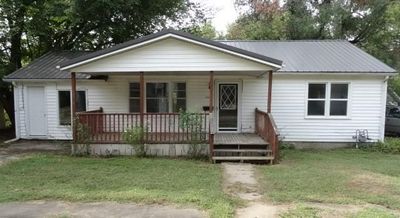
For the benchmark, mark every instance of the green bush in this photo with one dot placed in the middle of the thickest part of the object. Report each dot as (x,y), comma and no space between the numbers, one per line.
(134,137)
(390,145)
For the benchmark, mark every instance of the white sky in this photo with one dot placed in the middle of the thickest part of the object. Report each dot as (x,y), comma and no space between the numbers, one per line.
(224,13)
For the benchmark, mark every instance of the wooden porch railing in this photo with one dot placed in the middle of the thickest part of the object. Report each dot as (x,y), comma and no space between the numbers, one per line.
(266,128)
(158,127)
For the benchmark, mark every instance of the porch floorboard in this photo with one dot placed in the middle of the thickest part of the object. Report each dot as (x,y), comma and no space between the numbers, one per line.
(238,139)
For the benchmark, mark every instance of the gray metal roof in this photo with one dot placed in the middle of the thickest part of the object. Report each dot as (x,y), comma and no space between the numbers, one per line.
(45,67)
(318,56)
(337,56)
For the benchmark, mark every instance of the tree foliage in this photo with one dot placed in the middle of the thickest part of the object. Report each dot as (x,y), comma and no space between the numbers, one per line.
(373,25)
(30,28)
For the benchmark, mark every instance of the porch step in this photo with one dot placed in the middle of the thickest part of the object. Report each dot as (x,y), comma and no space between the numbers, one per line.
(242,158)
(243,150)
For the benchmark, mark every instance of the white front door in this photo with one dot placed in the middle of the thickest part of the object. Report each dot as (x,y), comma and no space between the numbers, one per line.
(36,113)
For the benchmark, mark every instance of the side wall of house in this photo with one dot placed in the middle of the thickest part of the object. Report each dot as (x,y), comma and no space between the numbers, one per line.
(367,101)
(366,104)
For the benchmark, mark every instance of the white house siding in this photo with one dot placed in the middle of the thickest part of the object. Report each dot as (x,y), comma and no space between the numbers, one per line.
(171,55)
(367,101)
(288,104)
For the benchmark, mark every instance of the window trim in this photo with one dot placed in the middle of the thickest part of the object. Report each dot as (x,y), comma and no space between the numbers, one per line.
(58,104)
(170,91)
(327,101)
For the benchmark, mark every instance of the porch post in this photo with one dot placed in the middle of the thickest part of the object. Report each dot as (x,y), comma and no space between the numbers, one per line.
(211,109)
(211,91)
(141,99)
(269,91)
(73,105)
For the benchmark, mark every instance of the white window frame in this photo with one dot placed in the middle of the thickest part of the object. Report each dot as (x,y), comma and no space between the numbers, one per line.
(328,100)
(170,91)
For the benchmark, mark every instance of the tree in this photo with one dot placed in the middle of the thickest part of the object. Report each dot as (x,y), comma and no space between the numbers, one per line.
(205,30)
(373,25)
(30,28)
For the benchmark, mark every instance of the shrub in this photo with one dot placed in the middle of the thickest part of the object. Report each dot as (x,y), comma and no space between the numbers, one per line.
(390,145)
(82,142)
(134,137)
(193,122)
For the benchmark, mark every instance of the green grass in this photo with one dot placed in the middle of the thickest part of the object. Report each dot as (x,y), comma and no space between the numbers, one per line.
(116,179)
(300,212)
(334,176)
(372,213)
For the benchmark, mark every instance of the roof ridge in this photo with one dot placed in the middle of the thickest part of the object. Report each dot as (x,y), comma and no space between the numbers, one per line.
(283,40)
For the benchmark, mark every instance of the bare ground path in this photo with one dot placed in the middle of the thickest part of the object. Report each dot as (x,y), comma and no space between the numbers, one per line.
(240,181)
(55,209)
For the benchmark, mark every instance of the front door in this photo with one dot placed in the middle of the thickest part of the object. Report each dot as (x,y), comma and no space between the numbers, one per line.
(36,113)
(228,107)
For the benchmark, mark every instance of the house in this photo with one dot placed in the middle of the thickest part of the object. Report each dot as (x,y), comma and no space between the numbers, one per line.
(244,93)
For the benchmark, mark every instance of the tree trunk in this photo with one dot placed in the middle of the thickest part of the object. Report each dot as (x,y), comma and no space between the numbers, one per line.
(2,118)
(17,24)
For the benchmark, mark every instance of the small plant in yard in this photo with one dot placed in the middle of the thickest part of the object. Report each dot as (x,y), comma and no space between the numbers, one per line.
(82,142)
(134,137)
(193,122)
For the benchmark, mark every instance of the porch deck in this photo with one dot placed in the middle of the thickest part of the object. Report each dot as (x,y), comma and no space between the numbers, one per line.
(238,139)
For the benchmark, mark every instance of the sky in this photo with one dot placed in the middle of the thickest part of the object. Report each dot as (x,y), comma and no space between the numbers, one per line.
(224,13)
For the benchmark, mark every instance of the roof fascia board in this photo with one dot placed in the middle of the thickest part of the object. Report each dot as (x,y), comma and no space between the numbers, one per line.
(161,38)
(342,73)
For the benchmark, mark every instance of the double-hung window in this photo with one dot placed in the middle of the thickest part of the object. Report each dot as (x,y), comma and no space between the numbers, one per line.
(328,99)
(64,105)
(159,97)
(134,97)
(179,97)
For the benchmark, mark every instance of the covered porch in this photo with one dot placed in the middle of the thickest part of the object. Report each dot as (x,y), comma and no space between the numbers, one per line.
(182,90)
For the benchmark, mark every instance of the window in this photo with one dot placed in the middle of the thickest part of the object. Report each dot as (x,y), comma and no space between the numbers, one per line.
(327,99)
(394,112)
(316,99)
(179,97)
(64,105)
(134,97)
(157,97)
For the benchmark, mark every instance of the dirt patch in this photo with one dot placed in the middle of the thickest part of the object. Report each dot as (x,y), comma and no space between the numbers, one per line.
(371,183)
(240,181)
(98,210)
(22,148)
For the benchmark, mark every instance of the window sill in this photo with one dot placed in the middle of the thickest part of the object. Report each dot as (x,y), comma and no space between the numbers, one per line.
(327,118)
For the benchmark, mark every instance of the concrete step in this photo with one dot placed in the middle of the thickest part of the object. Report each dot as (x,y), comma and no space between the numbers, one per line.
(242,158)
(243,150)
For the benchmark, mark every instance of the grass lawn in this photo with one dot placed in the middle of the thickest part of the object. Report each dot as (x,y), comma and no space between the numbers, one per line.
(344,176)
(116,179)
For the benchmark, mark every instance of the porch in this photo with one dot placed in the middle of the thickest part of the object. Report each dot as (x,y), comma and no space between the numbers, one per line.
(172,72)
